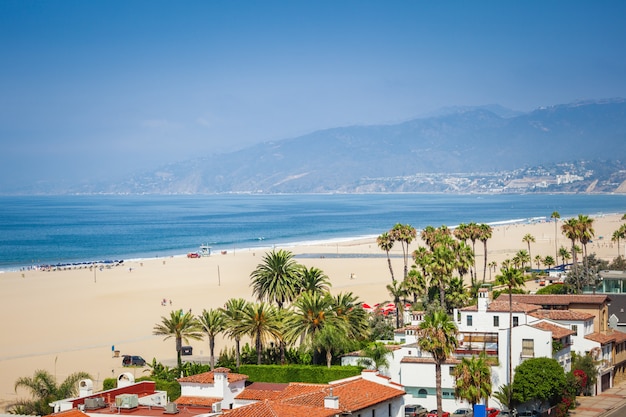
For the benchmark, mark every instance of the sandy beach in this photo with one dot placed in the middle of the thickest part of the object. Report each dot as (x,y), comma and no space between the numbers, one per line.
(69,321)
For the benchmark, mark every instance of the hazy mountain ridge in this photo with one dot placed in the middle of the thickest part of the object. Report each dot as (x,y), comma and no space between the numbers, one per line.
(389,158)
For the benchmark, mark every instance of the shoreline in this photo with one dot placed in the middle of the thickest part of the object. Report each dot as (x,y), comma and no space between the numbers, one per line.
(287,244)
(72,320)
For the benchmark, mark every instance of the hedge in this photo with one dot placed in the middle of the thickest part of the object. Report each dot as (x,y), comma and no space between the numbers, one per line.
(298,373)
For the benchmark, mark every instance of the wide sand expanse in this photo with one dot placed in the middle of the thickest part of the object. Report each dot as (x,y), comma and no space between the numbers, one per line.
(69,321)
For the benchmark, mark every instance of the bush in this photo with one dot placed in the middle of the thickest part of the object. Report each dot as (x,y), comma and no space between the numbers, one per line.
(298,373)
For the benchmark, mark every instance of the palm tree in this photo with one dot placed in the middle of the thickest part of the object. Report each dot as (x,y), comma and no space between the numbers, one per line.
(556,216)
(213,322)
(376,354)
(180,326)
(538,260)
(332,337)
(473,379)
(571,230)
(347,307)
(415,284)
(397,291)
(549,261)
(521,258)
(474,234)
(314,280)
(485,234)
(586,233)
(528,238)
(510,277)
(404,233)
(385,242)
(310,312)
(437,335)
(619,234)
(44,390)
(275,280)
(233,313)
(456,294)
(443,263)
(262,322)
(564,254)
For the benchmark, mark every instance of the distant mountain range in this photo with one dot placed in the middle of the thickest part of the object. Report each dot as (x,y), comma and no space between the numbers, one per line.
(462,149)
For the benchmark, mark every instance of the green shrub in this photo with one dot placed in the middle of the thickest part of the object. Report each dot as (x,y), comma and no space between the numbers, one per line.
(298,373)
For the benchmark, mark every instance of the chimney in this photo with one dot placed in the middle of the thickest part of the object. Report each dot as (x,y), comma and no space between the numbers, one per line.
(331,401)
(484,299)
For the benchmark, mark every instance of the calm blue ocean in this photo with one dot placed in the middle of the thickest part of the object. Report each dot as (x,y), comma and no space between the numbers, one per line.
(38,230)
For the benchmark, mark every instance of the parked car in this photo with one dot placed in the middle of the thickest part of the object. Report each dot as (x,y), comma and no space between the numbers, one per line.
(493,412)
(508,413)
(528,413)
(463,412)
(415,410)
(130,360)
(433,413)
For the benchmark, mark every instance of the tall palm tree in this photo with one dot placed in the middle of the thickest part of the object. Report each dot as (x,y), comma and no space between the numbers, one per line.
(275,279)
(44,390)
(405,234)
(437,335)
(549,261)
(473,379)
(262,322)
(521,258)
(616,237)
(585,234)
(571,230)
(512,278)
(385,242)
(485,234)
(528,238)
(213,322)
(233,313)
(443,263)
(397,290)
(556,216)
(180,326)
(415,284)
(457,295)
(538,260)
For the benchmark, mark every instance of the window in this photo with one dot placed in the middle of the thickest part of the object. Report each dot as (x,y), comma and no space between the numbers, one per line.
(422,393)
(452,368)
(528,348)
(389,408)
(496,321)
(469,320)
(515,321)
(575,329)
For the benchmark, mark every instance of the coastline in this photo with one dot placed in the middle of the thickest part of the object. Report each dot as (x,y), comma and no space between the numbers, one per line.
(73,320)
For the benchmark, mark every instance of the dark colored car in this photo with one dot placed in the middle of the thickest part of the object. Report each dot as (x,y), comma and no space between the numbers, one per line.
(415,410)
(129,360)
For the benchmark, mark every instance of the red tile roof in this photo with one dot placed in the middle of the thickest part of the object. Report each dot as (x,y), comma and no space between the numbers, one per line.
(209,377)
(308,399)
(607,337)
(196,401)
(558,332)
(559,299)
(570,315)
(261,391)
(503,306)
(74,412)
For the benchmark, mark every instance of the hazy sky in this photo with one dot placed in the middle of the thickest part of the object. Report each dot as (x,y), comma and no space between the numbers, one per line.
(104,88)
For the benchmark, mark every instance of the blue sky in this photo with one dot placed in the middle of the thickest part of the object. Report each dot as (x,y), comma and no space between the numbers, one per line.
(100,89)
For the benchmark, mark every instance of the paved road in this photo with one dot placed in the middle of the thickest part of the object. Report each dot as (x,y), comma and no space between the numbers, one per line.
(611,403)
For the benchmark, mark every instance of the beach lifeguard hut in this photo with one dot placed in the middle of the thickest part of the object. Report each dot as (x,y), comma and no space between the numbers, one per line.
(205,250)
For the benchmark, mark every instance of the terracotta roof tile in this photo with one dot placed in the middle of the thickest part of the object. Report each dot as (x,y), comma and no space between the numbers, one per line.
(503,306)
(74,412)
(558,332)
(269,408)
(192,401)
(607,337)
(570,315)
(559,299)
(261,391)
(209,377)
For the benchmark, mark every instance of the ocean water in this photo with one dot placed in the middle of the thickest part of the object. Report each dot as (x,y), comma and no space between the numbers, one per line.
(36,230)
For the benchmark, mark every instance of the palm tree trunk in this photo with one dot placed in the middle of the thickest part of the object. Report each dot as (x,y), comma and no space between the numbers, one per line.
(179,348)
(438,389)
(238,348)
(390,267)
(212,349)
(485,257)
(258,349)
(509,336)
